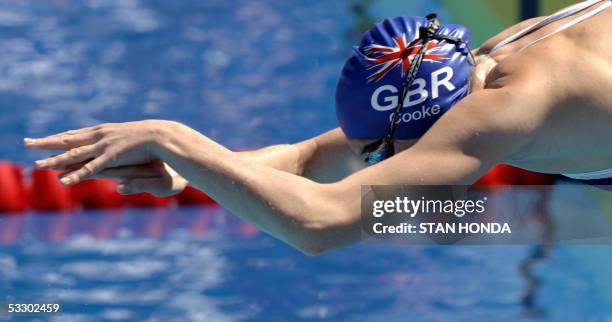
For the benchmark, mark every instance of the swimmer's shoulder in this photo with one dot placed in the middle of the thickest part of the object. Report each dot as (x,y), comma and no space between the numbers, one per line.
(516,69)
(551,63)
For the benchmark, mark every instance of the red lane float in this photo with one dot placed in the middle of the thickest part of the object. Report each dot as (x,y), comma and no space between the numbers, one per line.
(506,175)
(48,194)
(13,196)
(193,197)
(97,194)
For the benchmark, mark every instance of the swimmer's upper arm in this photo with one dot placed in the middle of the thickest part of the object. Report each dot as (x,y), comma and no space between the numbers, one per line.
(324,158)
(328,157)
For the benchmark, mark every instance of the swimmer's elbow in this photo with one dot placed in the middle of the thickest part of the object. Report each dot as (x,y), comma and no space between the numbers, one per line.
(312,240)
(317,241)
(330,225)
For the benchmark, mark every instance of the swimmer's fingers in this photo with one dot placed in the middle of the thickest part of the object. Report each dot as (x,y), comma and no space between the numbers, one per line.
(88,171)
(73,167)
(81,130)
(65,141)
(72,157)
(160,187)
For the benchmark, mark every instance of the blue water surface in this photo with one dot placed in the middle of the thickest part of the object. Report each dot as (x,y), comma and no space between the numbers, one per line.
(248,74)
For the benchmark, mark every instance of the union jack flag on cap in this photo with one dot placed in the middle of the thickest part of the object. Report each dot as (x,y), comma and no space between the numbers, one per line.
(369,86)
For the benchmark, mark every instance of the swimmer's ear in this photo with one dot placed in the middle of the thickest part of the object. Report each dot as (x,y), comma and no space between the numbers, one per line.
(483,67)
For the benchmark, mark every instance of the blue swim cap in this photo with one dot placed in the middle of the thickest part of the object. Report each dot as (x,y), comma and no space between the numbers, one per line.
(371,81)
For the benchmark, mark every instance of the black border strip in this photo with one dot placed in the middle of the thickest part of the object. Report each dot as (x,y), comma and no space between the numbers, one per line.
(529,9)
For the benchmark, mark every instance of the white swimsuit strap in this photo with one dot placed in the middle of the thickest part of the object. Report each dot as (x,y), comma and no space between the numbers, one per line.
(556,17)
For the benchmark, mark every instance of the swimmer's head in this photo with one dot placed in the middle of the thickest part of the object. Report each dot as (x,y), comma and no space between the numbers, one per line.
(385,70)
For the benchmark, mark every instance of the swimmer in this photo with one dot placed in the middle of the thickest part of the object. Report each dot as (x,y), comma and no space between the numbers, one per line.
(538,96)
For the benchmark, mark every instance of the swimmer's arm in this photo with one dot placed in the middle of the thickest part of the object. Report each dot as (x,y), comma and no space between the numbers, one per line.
(328,158)
(283,157)
(324,158)
(299,211)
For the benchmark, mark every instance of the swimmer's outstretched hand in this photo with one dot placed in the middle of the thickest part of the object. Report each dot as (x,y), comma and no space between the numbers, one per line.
(90,151)
(157,178)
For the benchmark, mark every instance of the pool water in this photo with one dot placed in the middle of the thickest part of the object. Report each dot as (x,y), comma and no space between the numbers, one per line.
(248,74)
(204,264)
